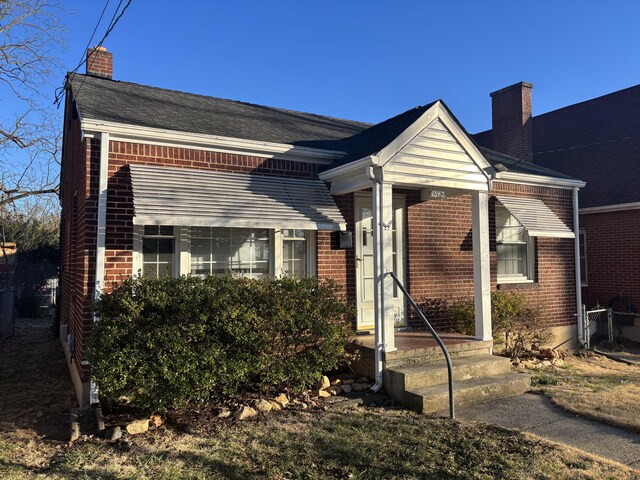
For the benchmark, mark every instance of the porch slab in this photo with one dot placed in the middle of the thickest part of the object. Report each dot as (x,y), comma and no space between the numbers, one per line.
(417,346)
(421,343)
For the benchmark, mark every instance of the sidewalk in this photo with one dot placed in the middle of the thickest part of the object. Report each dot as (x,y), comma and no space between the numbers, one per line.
(536,414)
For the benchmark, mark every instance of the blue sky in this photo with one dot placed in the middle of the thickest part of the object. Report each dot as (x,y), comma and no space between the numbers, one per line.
(369,60)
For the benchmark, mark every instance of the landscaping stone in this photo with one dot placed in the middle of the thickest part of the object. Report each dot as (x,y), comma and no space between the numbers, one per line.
(359,386)
(336,381)
(321,393)
(362,380)
(348,381)
(282,399)
(558,362)
(156,421)
(322,383)
(264,406)
(275,405)
(334,390)
(138,426)
(245,412)
(546,363)
(346,388)
(224,413)
(113,433)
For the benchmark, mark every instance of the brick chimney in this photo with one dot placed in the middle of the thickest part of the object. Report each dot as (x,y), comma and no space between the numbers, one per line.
(511,121)
(99,62)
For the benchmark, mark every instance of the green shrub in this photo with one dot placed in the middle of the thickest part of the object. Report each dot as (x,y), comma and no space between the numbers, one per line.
(164,342)
(461,315)
(516,325)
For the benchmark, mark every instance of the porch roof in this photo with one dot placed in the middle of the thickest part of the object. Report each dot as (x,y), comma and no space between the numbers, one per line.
(187,197)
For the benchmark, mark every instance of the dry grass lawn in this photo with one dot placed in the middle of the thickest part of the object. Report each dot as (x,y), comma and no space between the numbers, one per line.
(596,387)
(364,443)
(370,443)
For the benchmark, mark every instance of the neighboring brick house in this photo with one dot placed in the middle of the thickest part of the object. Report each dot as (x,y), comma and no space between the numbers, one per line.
(156,181)
(598,141)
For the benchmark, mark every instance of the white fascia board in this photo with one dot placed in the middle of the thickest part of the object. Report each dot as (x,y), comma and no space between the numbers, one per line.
(537,180)
(618,207)
(174,138)
(348,168)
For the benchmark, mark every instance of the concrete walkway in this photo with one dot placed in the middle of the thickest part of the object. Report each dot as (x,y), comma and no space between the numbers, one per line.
(536,414)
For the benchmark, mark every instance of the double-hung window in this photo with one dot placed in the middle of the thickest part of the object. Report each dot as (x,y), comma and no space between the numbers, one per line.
(514,248)
(295,253)
(158,250)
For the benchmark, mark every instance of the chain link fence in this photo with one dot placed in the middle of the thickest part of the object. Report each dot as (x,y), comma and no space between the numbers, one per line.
(606,325)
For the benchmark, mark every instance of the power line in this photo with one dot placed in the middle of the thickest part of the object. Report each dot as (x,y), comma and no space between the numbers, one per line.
(112,23)
(585,145)
(110,28)
(83,56)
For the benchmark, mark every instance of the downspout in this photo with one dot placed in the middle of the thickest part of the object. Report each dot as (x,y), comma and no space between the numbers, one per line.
(576,228)
(100,238)
(378,343)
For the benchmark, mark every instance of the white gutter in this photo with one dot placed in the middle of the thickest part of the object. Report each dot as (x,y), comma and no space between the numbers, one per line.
(576,227)
(618,207)
(537,180)
(377,284)
(165,137)
(100,238)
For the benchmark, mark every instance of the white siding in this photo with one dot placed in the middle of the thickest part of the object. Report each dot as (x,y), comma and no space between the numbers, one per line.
(435,157)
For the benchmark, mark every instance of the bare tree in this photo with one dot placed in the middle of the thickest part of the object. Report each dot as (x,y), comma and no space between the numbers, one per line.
(29,125)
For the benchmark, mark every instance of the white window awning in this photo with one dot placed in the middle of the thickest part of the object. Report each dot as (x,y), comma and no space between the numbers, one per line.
(187,197)
(536,217)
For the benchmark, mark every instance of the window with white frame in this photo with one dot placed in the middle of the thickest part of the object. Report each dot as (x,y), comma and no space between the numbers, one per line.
(250,252)
(295,256)
(514,248)
(216,250)
(583,258)
(158,250)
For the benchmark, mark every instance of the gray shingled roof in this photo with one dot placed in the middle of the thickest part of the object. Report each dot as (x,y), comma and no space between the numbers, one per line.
(133,104)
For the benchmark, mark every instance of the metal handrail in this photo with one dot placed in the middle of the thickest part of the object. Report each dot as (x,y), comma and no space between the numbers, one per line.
(452,412)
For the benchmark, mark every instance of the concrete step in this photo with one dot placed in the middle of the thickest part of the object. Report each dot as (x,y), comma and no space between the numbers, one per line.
(417,375)
(432,353)
(436,397)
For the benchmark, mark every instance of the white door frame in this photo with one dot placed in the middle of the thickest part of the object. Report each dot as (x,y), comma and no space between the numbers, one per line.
(362,199)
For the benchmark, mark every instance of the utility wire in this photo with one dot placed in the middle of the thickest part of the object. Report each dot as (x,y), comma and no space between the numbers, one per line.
(83,56)
(585,145)
(114,20)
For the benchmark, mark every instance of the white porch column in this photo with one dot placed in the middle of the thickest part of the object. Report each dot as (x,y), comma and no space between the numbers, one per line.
(386,255)
(481,263)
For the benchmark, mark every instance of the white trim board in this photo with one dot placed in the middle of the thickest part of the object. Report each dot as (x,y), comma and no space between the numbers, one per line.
(240,146)
(618,207)
(537,180)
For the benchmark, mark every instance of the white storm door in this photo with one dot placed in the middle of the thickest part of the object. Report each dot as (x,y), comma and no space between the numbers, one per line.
(364,260)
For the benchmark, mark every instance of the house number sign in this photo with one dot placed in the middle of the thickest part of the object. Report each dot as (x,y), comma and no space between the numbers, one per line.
(437,194)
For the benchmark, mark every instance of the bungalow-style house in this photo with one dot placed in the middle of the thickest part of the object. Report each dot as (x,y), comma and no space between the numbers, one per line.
(164,182)
(581,140)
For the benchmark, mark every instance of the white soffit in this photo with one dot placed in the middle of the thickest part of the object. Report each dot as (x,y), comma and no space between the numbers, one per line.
(536,217)
(186,197)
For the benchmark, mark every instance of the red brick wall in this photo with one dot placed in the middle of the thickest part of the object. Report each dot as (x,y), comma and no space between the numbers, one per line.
(512,130)
(440,254)
(613,259)
(78,235)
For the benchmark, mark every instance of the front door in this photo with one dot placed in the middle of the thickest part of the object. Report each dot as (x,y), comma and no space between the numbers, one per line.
(364,260)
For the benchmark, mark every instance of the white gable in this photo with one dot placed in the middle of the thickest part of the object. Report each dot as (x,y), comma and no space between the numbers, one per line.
(435,157)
